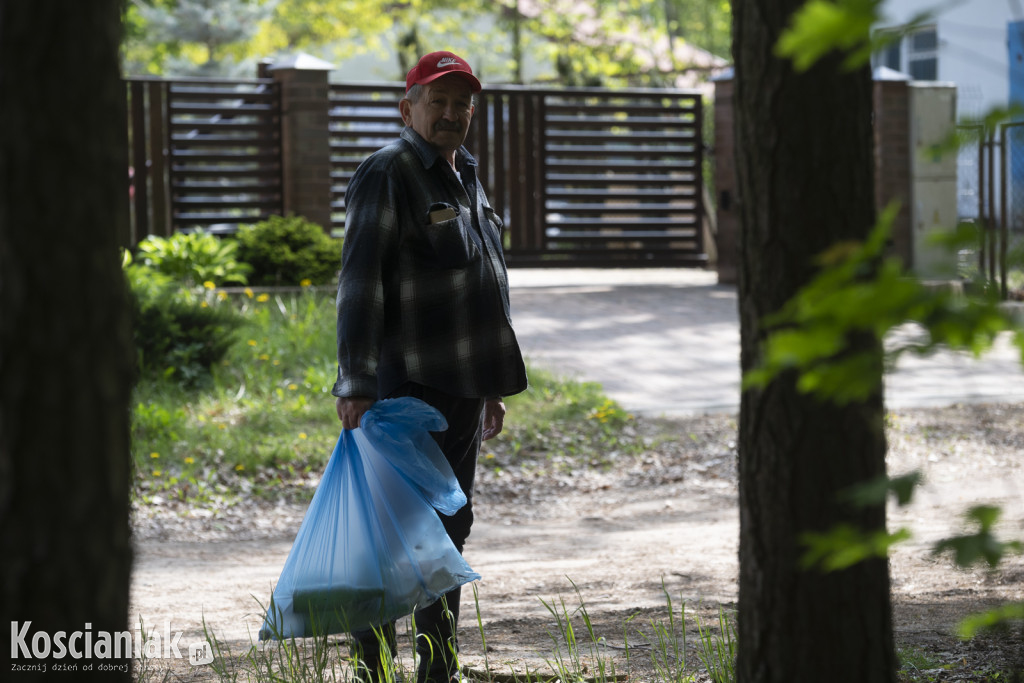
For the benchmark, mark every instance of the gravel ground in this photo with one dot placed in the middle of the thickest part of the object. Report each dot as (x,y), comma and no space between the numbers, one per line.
(665,519)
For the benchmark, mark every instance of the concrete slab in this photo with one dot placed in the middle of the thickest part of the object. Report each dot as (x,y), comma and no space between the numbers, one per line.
(666,341)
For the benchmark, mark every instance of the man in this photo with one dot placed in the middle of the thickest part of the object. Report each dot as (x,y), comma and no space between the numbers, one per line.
(423,307)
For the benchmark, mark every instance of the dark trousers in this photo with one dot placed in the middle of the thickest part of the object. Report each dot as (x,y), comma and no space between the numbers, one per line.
(437,624)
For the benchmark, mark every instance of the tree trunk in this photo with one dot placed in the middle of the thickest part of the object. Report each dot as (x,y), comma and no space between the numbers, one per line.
(65,337)
(804,172)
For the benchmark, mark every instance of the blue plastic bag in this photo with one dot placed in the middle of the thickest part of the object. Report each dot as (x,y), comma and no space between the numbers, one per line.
(370,548)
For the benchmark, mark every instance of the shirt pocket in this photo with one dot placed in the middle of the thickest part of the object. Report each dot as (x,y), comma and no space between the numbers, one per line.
(448,238)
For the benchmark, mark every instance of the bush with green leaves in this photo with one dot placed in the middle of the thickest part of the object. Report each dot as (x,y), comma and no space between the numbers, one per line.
(179,333)
(194,258)
(287,250)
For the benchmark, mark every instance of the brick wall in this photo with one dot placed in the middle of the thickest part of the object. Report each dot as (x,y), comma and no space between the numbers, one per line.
(892,161)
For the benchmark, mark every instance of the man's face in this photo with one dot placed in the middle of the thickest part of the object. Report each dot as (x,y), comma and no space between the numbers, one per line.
(442,113)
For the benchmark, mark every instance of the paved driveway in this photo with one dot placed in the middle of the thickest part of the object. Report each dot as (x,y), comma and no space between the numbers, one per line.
(666,341)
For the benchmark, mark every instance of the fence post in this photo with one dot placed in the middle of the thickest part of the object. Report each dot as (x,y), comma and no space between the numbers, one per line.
(726,209)
(140,162)
(305,138)
(159,136)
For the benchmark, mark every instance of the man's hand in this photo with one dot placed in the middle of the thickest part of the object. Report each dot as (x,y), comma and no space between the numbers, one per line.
(351,409)
(494,418)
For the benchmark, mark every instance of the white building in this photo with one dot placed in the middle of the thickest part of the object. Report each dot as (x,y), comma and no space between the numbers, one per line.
(965,42)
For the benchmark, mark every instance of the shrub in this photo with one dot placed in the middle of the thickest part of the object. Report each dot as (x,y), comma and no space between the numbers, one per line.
(288,250)
(194,258)
(178,333)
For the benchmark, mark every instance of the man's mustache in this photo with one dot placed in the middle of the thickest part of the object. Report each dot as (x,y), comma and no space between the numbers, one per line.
(448,125)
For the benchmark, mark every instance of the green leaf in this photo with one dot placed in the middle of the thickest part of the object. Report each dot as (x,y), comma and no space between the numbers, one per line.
(876,491)
(993,618)
(985,515)
(821,26)
(859,295)
(968,549)
(846,545)
(854,377)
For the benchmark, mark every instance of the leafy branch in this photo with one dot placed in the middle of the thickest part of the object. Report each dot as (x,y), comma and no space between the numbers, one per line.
(859,291)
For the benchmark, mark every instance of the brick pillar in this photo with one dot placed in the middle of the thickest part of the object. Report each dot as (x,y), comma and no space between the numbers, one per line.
(726,215)
(892,162)
(305,142)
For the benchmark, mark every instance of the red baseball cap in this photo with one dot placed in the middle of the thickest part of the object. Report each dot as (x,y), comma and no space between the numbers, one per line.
(437,64)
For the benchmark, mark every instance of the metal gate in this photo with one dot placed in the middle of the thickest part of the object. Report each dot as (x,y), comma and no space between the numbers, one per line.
(991,195)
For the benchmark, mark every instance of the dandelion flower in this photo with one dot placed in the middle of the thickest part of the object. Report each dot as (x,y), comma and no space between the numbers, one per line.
(189,460)
(264,356)
(222,296)
(302,435)
(251,342)
(306,282)
(292,387)
(204,305)
(154,455)
(209,285)
(263,297)
(157,473)
(239,468)
(248,292)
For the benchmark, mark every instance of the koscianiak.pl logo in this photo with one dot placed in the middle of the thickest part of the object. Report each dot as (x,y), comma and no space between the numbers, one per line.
(87,649)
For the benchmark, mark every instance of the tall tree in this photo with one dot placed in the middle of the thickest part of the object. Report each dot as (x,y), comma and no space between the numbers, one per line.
(804,171)
(587,43)
(65,338)
(212,35)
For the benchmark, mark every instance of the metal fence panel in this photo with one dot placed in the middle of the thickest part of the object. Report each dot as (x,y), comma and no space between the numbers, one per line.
(224,153)
(581,177)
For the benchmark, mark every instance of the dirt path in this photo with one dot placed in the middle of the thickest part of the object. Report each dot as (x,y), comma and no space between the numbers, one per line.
(661,341)
(668,517)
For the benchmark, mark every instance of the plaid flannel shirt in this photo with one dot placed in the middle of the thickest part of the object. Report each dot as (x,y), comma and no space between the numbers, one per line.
(423,292)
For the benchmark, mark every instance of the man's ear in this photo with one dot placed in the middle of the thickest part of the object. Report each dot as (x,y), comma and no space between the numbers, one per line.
(404,108)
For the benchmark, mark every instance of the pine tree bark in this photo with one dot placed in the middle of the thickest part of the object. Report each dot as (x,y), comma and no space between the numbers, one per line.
(804,171)
(65,337)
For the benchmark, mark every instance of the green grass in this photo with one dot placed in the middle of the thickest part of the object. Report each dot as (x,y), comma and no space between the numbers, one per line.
(267,412)
(915,662)
(267,415)
(574,655)
(578,653)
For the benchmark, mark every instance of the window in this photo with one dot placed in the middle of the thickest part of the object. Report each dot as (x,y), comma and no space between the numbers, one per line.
(890,56)
(925,40)
(923,55)
(916,54)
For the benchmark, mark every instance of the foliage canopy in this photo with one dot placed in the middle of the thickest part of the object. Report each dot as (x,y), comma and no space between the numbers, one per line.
(573,41)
